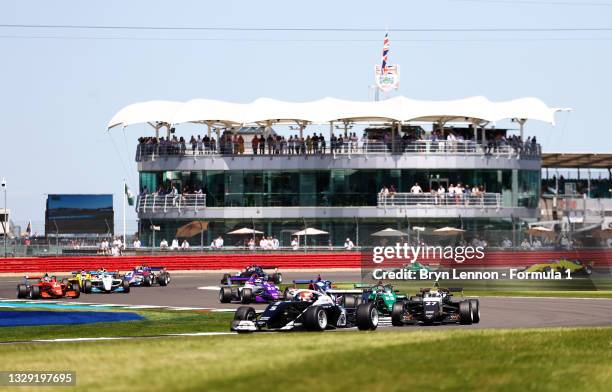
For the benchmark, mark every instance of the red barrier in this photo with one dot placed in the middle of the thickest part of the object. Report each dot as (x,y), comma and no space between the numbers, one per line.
(315,261)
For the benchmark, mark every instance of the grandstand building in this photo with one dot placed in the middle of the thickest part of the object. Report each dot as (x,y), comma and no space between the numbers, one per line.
(362,178)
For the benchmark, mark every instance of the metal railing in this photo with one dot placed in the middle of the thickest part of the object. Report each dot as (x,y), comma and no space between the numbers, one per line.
(165,203)
(444,200)
(150,152)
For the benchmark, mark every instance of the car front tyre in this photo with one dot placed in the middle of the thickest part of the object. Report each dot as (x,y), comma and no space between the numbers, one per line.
(367,317)
(315,319)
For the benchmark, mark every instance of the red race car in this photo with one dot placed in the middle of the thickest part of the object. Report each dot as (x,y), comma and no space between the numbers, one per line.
(35,287)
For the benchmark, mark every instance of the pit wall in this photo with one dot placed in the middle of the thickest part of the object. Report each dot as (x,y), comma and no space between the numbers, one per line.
(313,261)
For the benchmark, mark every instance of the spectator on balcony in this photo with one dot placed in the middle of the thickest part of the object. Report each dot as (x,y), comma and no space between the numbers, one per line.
(315,144)
(416,188)
(163,245)
(194,144)
(383,194)
(175,244)
(392,193)
(295,244)
(525,244)
(218,242)
(290,145)
(506,243)
(182,145)
(270,142)
(200,144)
(255,144)
(262,144)
(174,193)
(348,244)
(322,143)
(184,245)
(240,144)
(332,143)
(136,244)
(263,243)
(308,145)
(275,243)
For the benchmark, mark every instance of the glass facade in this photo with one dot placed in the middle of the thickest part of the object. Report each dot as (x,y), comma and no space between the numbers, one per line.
(337,188)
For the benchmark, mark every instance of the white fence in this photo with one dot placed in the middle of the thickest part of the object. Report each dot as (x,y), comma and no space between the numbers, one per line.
(445,200)
(165,203)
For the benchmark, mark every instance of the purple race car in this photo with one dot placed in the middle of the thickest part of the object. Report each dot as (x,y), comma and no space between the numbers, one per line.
(254,289)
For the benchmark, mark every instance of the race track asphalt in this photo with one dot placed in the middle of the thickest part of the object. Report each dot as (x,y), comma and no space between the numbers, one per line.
(200,290)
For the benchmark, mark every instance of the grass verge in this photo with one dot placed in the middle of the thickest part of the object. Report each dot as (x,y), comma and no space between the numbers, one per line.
(570,359)
(154,323)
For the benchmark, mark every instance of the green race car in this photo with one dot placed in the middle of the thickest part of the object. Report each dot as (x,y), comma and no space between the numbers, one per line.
(382,296)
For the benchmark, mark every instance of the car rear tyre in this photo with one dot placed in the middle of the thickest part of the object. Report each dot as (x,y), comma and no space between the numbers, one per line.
(315,319)
(35,292)
(287,295)
(246,296)
(397,314)
(87,286)
(22,291)
(225,295)
(277,278)
(588,270)
(77,290)
(126,286)
(475,310)
(147,281)
(163,279)
(465,313)
(349,301)
(367,317)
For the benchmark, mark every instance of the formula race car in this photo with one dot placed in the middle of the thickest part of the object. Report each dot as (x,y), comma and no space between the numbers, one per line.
(255,289)
(574,266)
(106,282)
(79,278)
(45,286)
(308,310)
(382,296)
(248,272)
(148,276)
(318,284)
(435,306)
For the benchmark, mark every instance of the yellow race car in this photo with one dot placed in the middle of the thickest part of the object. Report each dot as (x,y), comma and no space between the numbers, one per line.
(561,265)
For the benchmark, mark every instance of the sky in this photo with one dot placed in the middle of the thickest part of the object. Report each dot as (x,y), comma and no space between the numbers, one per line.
(61,86)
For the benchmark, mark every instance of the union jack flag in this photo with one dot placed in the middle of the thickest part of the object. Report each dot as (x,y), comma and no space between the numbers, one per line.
(383,68)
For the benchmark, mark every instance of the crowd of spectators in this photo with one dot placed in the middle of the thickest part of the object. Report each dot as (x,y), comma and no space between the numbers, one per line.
(455,193)
(273,144)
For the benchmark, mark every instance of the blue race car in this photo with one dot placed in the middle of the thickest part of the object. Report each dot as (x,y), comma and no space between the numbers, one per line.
(148,276)
(106,282)
(318,284)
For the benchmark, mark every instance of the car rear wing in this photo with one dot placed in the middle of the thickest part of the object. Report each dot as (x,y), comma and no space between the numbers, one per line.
(268,267)
(158,268)
(33,277)
(338,291)
(455,289)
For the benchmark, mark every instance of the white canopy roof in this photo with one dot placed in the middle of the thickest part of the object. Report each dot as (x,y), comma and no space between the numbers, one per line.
(269,111)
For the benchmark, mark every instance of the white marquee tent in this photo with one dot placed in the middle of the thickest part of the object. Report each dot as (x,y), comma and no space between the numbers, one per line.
(266,111)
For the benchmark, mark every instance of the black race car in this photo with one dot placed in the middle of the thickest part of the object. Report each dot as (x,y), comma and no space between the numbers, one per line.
(308,310)
(251,271)
(435,306)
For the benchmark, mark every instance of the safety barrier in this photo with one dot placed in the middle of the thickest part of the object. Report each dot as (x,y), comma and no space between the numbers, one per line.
(314,261)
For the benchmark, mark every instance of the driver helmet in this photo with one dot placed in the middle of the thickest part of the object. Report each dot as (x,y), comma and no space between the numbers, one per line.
(305,296)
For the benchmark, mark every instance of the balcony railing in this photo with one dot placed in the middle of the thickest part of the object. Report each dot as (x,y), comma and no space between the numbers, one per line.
(150,152)
(445,200)
(165,203)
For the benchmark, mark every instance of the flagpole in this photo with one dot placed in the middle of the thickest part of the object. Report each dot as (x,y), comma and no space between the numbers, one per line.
(124,197)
